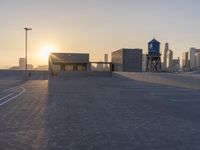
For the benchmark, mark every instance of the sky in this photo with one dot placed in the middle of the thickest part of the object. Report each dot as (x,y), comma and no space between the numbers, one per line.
(94,26)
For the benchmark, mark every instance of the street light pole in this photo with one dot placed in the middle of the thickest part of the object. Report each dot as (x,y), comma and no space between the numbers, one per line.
(26,47)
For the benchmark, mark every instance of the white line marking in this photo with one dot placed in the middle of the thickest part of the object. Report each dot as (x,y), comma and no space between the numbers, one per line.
(6,96)
(23,90)
(10,89)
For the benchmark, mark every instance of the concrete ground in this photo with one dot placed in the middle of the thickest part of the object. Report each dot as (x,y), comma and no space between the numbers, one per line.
(99,114)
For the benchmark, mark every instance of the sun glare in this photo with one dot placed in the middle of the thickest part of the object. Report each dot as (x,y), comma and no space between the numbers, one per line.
(45,53)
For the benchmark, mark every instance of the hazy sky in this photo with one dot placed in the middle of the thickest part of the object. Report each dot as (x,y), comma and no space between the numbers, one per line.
(95,26)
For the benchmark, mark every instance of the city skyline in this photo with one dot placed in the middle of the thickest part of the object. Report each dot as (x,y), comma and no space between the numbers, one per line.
(97,27)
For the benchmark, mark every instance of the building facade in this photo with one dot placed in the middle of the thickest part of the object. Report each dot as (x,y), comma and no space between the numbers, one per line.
(77,64)
(68,62)
(127,60)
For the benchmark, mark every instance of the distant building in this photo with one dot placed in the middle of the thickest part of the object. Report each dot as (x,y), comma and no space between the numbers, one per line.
(106,66)
(105,57)
(165,57)
(14,68)
(185,61)
(191,57)
(144,62)
(127,60)
(30,66)
(42,67)
(176,65)
(22,63)
(197,60)
(197,63)
(169,61)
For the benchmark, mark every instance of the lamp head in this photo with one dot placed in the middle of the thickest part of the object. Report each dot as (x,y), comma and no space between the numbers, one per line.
(27,29)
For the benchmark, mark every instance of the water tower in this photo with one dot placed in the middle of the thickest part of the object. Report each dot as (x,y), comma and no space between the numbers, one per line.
(153,57)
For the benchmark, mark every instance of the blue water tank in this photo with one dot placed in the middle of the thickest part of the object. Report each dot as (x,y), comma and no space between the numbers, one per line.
(154,47)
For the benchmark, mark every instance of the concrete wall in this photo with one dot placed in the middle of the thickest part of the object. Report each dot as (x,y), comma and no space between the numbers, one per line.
(39,75)
(132,60)
(20,74)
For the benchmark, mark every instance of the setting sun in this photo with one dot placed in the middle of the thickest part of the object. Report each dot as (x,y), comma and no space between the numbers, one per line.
(45,52)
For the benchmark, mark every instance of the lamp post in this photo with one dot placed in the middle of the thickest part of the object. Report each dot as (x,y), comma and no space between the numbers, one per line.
(26,30)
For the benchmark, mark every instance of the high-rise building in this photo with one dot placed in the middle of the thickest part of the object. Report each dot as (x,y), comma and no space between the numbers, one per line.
(191,57)
(165,56)
(169,61)
(197,59)
(176,65)
(185,61)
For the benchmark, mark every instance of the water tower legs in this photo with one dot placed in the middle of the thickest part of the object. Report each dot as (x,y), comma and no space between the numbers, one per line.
(153,63)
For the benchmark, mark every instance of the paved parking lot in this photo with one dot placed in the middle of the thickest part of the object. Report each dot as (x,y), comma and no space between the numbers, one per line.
(100,114)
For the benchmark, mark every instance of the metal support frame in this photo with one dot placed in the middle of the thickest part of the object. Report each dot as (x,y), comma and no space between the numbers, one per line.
(153,63)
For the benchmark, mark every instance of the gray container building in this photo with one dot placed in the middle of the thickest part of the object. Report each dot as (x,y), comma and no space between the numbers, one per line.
(127,60)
